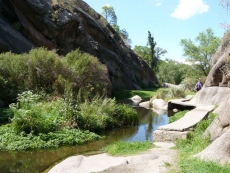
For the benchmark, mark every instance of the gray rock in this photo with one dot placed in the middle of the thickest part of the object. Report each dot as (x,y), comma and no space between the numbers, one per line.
(69,25)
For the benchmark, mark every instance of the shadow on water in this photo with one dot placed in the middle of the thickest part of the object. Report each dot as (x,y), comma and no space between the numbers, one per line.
(38,161)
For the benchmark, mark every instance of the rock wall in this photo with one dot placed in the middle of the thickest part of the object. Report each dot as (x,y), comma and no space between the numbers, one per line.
(66,25)
(216,91)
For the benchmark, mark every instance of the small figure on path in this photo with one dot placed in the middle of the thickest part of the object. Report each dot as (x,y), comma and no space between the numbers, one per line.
(198,85)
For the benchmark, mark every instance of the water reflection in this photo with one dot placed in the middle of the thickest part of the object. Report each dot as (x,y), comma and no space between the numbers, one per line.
(38,161)
(149,121)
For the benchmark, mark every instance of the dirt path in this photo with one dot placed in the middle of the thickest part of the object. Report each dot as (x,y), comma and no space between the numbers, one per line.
(155,160)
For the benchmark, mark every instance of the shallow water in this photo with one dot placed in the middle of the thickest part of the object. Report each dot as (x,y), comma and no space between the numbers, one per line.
(38,161)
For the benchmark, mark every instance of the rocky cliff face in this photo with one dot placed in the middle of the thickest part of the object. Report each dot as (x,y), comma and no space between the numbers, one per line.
(217,92)
(65,25)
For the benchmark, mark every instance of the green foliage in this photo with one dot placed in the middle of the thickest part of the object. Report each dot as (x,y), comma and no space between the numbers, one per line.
(189,83)
(109,14)
(144,52)
(87,73)
(36,119)
(100,114)
(130,93)
(168,93)
(195,143)
(5,115)
(152,44)
(200,55)
(42,70)
(9,140)
(123,34)
(177,116)
(32,116)
(128,148)
(171,71)
(123,115)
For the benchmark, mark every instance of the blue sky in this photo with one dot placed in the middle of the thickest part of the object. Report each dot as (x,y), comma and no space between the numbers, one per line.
(169,21)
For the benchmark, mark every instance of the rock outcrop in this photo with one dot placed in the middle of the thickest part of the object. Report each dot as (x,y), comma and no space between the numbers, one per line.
(67,25)
(216,91)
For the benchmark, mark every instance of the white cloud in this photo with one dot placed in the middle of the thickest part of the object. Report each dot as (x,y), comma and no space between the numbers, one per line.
(189,8)
(158,2)
(108,5)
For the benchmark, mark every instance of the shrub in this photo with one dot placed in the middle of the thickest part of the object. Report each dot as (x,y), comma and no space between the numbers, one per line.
(5,115)
(124,115)
(42,70)
(15,142)
(169,93)
(31,115)
(103,113)
(87,73)
(189,83)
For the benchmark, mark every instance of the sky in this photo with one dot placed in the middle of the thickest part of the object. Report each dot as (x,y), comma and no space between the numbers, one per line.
(169,21)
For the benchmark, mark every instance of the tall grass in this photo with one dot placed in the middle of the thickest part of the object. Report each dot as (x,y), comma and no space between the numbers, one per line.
(168,93)
(100,114)
(38,119)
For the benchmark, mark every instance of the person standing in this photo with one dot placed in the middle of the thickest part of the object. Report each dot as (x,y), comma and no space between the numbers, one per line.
(198,85)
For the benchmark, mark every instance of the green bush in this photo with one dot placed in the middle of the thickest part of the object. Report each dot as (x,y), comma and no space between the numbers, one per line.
(5,115)
(32,115)
(87,73)
(189,83)
(103,113)
(123,115)
(9,140)
(42,70)
(168,93)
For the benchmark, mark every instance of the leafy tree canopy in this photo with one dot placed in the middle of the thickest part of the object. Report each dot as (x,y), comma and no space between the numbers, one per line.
(171,71)
(199,53)
(150,53)
(109,14)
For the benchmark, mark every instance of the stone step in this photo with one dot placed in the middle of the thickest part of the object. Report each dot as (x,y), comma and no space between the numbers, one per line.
(180,128)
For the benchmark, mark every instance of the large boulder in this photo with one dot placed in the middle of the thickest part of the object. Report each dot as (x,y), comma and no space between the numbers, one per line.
(218,151)
(69,25)
(216,91)
(160,104)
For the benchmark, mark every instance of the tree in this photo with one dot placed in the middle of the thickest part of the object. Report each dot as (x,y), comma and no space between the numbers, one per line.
(200,55)
(144,52)
(152,44)
(159,52)
(109,14)
(171,71)
(123,34)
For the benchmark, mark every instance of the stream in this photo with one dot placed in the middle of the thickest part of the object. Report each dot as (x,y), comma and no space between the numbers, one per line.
(39,161)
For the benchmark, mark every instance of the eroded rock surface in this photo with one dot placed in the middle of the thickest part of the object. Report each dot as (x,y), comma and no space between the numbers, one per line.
(68,25)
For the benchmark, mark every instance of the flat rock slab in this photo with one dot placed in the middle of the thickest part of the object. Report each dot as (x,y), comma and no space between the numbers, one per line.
(184,102)
(168,136)
(189,120)
(154,160)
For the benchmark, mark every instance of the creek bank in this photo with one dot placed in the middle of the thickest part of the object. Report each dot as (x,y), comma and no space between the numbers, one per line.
(155,159)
